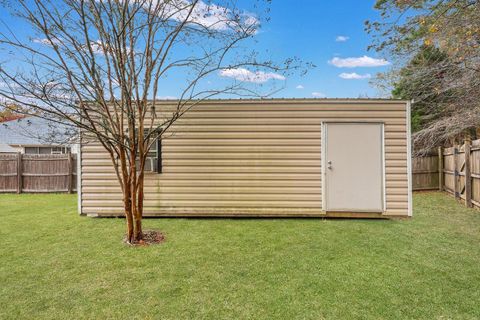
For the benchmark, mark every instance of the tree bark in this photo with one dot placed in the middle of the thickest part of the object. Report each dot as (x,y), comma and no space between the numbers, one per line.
(133,198)
(138,229)
(139,232)
(133,217)
(129,218)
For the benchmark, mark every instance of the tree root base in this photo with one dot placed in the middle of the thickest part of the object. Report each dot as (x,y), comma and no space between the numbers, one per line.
(150,237)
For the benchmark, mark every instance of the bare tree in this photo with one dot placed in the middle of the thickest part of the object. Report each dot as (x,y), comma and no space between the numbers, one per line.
(99,66)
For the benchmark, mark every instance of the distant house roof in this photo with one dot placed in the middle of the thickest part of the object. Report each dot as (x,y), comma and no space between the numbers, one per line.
(11,117)
(33,131)
(5,148)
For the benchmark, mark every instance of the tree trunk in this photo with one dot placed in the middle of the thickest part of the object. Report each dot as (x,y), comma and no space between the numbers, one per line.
(133,212)
(133,194)
(138,229)
(129,213)
(129,218)
(134,224)
(139,208)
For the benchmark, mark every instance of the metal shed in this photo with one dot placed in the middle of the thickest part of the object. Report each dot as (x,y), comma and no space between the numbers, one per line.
(270,158)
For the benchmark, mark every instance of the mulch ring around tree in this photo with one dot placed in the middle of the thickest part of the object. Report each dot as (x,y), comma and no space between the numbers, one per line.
(150,237)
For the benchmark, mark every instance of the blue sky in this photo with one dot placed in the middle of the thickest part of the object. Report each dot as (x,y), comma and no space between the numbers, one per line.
(309,29)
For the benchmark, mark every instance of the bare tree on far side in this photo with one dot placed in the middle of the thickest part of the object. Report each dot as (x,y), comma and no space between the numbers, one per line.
(100,66)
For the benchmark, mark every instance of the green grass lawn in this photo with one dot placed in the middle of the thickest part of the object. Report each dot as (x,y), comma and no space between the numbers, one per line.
(56,264)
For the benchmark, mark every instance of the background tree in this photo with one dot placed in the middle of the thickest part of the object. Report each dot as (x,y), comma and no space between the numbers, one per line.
(419,80)
(436,48)
(99,66)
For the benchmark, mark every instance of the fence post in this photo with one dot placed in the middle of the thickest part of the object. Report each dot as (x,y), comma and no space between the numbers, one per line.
(440,169)
(70,172)
(19,173)
(468,173)
(456,173)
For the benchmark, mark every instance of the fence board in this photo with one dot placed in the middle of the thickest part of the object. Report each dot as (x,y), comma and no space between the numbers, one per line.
(460,175)
(449,168)
(468,174)
(37,173)
(425,172)
(8,172)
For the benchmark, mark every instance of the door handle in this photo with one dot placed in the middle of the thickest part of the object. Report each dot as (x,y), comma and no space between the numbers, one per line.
(329,166)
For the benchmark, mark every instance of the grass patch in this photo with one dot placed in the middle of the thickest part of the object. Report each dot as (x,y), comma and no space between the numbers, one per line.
(57,265)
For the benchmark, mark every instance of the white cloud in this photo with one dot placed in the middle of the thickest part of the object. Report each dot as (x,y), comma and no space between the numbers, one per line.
(5,85)
(341,38)
(299,87)
(245,75)
(46,41)
(166,98)
(211,16)
(354,76)
(97,47)
(318,95)
(364,61)
(207,15)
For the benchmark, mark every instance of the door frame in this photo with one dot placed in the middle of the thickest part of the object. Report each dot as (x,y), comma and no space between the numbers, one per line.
(324,125)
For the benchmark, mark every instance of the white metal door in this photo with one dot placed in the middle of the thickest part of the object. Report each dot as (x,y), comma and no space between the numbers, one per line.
(353,166)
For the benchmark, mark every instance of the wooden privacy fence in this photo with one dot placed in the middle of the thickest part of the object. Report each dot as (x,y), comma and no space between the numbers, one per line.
(455,170)
(37,173)
(425,172)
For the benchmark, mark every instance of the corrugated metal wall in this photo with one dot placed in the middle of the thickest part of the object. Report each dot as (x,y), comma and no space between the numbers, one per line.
(249,157)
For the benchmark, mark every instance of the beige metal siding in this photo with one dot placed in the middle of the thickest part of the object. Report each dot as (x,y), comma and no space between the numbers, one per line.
(249,158)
